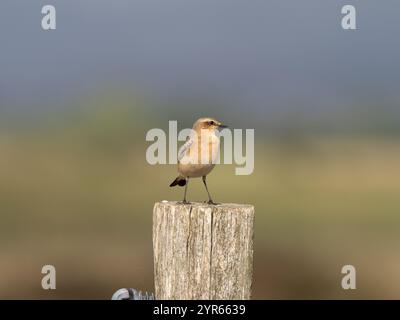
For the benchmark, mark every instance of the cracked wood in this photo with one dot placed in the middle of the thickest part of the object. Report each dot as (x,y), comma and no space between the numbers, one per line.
(203,251)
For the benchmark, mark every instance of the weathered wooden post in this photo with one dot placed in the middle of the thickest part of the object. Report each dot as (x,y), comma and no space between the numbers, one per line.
(203,251)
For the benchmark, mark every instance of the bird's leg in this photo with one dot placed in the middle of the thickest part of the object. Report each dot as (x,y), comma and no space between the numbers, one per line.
(186,185)
(210,201)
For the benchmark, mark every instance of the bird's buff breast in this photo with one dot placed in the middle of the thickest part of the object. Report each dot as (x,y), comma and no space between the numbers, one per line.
(195,170)
(200,159)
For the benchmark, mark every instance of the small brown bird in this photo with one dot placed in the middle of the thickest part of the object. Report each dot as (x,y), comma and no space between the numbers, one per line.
(197,157)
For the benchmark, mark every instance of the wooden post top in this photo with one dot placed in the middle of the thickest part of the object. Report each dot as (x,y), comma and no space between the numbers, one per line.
(205,204)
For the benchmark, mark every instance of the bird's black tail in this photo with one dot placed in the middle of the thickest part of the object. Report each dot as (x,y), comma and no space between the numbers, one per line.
(180,181)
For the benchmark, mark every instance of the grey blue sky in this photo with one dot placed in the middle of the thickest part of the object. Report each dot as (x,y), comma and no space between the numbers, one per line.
(262,54)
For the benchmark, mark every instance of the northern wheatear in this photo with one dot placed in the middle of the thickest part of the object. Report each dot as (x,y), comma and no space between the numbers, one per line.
(197,157)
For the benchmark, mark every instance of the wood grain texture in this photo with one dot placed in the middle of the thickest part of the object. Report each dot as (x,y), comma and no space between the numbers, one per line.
(203,251)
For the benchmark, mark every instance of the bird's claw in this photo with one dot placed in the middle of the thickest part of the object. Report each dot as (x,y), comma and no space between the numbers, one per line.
(211,202)
(183,202)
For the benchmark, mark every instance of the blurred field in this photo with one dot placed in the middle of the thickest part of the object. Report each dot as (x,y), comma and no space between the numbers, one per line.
(76,192)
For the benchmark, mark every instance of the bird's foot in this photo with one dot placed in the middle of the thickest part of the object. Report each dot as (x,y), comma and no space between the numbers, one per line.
(183,202)
(211,202)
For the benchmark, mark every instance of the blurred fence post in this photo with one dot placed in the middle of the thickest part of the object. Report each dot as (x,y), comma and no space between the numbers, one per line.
(203,251)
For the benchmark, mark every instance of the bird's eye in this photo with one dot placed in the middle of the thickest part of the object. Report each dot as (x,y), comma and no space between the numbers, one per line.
(211,122)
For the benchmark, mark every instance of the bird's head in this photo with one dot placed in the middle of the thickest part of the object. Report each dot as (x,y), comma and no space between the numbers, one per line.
(207,124)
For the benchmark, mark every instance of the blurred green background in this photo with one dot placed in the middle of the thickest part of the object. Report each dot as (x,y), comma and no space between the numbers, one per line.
(75,105)
(77,192)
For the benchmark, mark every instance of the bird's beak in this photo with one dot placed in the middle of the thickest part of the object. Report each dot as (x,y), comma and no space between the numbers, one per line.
(222,126)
